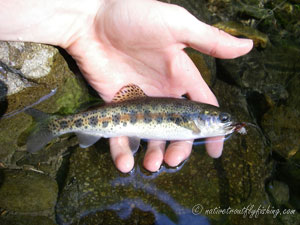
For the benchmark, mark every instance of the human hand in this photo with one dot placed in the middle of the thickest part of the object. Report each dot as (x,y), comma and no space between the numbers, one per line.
(142,42)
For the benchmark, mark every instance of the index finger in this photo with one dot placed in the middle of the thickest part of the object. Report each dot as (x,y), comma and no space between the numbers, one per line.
(210,40)
(214,145)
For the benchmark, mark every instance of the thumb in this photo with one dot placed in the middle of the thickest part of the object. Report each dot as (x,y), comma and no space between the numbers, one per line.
(188,30)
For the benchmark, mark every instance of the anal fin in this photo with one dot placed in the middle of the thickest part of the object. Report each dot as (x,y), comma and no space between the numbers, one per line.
(134,144)
(86,139)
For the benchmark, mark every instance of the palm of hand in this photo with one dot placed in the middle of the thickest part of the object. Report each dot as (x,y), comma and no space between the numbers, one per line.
(142,42)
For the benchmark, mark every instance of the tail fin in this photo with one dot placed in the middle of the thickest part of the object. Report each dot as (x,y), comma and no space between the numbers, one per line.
(41,135)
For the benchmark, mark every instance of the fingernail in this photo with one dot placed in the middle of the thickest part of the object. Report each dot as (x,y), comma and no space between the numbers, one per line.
(246,42)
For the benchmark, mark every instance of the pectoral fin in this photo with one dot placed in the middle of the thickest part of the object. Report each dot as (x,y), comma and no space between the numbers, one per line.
(191,125)
(134,144)
(86,140)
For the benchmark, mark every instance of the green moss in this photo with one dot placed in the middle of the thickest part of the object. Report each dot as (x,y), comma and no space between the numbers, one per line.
(73,95)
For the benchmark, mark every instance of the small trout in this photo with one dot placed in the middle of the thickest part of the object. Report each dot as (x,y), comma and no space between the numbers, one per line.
(137,116)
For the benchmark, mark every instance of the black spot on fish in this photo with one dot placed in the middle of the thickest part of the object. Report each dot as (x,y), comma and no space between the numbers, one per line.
(133,117)
(159,118)
(170,117)
(93,121)
(186,117)
(116,118)
(178,104)
(78,123)
(124,124)
(178,120)
(124,109)
(154,107)
(63,124)
(139,106)
(103,113)
(85,114)
(147,116)
(104,124)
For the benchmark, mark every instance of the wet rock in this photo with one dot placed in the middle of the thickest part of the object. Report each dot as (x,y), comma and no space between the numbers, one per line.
(111,217)
(238,29)
(278,19)
(265,72)
(280,195)
(94,187)
(27,192)
(222,10)
(291,218)
(23,63)
(9,219)
(50,159)
(289,172)
(279,192)
(287,15)
(68,93)
(281,124)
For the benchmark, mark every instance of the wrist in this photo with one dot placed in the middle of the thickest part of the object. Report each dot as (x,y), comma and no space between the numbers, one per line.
(79,19)
(56,22)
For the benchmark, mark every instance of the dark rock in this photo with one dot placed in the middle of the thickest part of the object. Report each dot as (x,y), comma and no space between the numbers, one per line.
(27,192)
(279,192)
(282,126)
(281,122)
(266,72)
(288,172)
(9,219)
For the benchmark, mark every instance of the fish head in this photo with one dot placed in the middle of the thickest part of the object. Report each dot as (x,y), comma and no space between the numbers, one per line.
(216,123)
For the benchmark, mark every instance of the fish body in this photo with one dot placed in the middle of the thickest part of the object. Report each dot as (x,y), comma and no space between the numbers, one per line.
(137,117)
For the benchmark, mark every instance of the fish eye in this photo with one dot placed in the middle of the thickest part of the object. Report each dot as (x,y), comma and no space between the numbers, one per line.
(224,117)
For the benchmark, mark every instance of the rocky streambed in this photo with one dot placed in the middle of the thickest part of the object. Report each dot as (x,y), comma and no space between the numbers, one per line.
(64,184)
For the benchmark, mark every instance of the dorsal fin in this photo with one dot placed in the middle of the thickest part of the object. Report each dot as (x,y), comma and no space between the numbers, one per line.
(129,92)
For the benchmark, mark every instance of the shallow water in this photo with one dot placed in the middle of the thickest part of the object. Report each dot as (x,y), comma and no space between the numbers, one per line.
(256,181)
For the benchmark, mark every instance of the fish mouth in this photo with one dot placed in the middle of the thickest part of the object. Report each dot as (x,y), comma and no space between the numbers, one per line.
(239,127)
(229,127)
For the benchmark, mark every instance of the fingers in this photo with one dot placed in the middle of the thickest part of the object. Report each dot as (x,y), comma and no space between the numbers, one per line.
(154,155)
(207,39)
(202,93)
(217,43)
(121,154)
(188,77)
(214,146)
(177,152)
(197,90)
